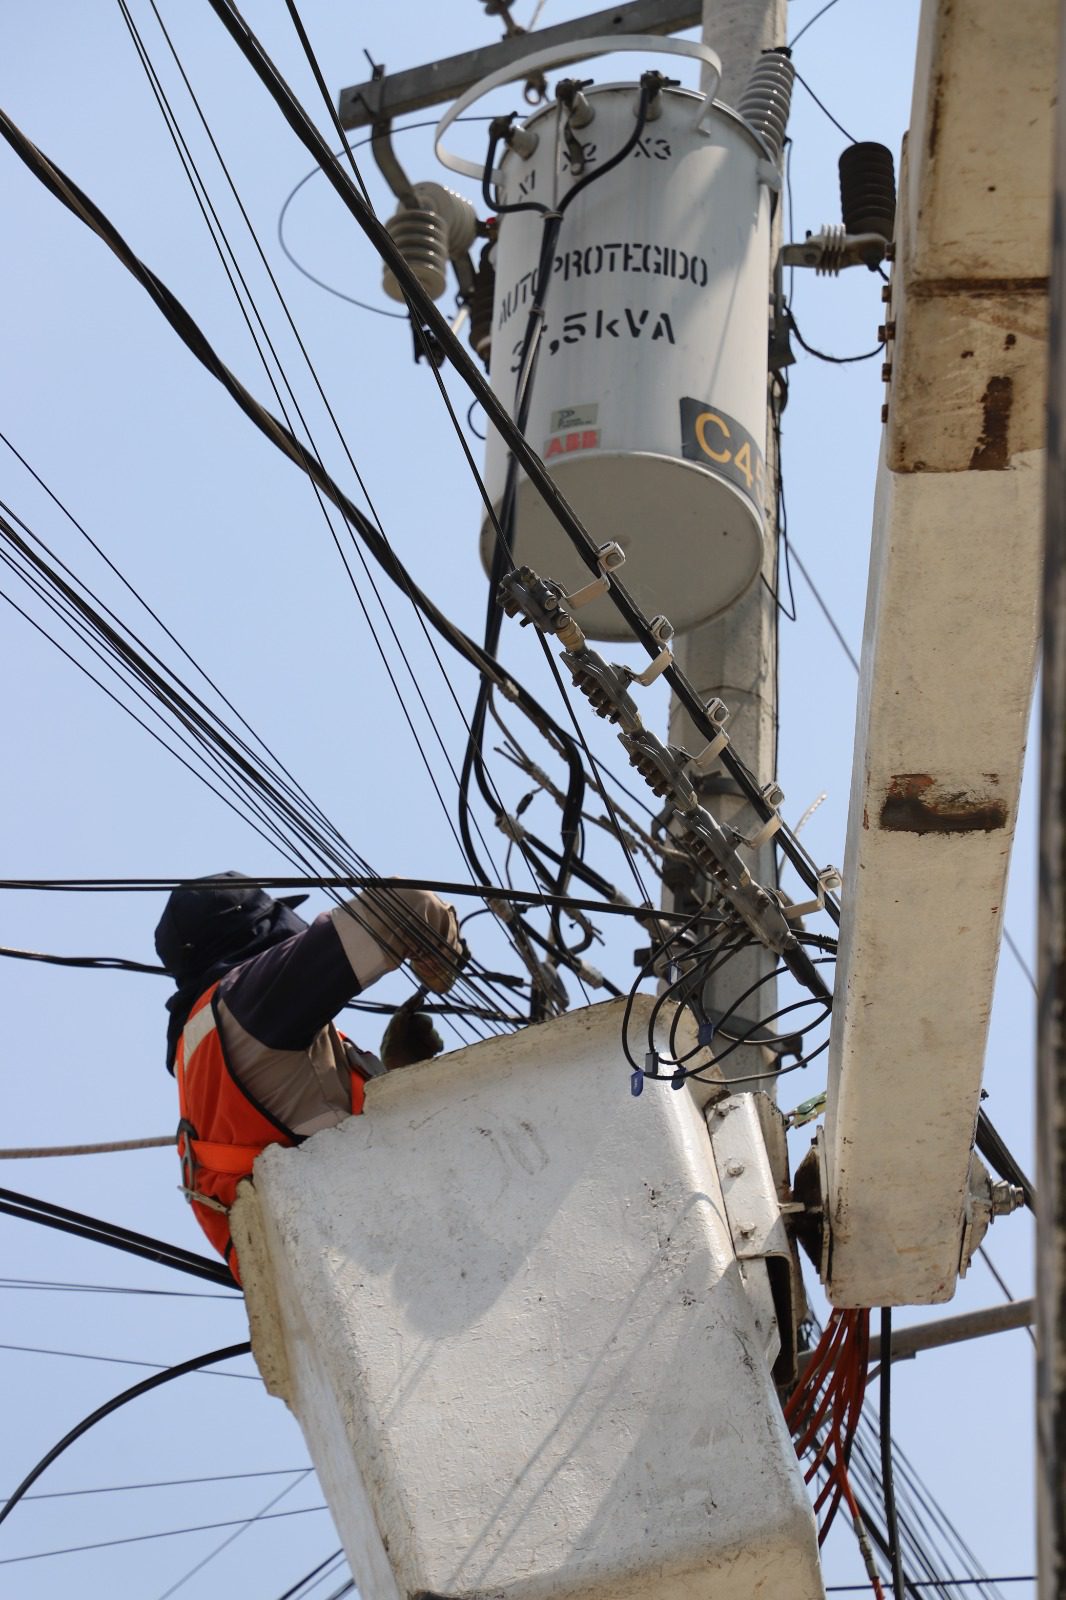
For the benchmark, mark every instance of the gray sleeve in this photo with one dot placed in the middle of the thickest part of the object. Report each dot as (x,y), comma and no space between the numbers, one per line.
(301,1090)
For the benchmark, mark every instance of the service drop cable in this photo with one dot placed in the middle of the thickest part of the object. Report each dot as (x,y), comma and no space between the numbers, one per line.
(145,1386)
(496,412)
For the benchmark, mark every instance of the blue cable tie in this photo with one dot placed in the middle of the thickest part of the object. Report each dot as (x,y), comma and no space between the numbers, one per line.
(636,1083)
(705,1033)
(678,1079)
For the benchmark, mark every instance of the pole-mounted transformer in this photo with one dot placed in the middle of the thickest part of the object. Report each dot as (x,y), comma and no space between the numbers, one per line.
(649,397)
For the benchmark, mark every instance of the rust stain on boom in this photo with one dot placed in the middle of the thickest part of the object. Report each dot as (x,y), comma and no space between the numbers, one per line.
(913,804)
(991,453)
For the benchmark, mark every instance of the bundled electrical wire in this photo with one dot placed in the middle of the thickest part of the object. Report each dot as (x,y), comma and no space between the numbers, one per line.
(823,1417)
(897,1512)
(684,960)
(232,766)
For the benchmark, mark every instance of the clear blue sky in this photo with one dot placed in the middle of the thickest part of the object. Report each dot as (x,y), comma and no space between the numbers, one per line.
(225,540)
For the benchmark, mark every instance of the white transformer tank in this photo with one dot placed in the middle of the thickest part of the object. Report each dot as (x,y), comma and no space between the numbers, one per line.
(649,399)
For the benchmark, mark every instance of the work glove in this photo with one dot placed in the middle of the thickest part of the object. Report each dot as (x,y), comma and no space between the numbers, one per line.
(410,1037)
(415,925)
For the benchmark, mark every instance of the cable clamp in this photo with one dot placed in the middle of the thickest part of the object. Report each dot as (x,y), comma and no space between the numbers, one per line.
(510,827)
(829,879)
(718,714)
(774,795)
(655,670)
(604,686)
(610,557)
(709,754)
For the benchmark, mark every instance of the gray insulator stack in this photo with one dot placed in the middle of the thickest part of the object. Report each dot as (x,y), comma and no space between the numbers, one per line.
(440,226)
(765,103)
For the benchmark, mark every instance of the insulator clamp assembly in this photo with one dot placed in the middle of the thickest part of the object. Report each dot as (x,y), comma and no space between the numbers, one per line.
(670,772)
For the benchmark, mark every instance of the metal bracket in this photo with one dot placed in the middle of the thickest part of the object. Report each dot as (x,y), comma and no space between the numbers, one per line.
(828,879)
(832,249)
(610,557)
(655,670)
(415,88)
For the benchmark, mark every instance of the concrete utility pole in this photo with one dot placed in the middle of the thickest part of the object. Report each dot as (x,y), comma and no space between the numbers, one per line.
(734,657)
(1051,1012)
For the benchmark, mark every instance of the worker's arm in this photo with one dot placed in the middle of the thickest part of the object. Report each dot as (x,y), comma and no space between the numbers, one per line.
(284,995)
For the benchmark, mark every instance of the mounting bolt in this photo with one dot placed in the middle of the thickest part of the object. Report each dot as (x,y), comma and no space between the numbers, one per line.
(886,293)
(886,372)
(884,413)
(1006,1197)
(734,1168)
(886,331)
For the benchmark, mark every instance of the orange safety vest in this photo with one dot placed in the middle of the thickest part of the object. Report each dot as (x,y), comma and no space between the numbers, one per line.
(222,1129)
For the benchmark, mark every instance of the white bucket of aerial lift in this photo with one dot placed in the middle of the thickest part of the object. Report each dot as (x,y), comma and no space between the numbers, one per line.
(649,401)
(506,1309)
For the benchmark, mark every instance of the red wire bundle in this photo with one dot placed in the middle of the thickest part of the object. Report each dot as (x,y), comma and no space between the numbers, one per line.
(823,1414)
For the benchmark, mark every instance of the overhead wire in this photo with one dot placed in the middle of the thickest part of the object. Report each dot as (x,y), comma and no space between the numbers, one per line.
(29,1209)
(146,1385)
(336,427)
(55,1286)
(168,1483)
(162,1533)
(237,1533)
(231,763)
(117,1361)
(528,458)
(796,37)
(224,248)
(824,108)
(887,1480)
(62,187)
(927,1538)
(179,318)
(297,1590)
(474,759)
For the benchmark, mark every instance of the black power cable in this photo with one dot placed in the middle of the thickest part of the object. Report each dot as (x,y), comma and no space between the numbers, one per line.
(145,1386)
(888,1487)
(275,804)
(301,1583)
(29,1209)
(68,192)
(474,759)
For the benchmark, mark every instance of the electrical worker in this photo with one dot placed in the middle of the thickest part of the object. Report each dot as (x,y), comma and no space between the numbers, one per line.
(251,1038)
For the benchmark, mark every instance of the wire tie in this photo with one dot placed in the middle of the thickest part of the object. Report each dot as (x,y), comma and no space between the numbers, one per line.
(636,1083)
(705,1033)
(678,1079)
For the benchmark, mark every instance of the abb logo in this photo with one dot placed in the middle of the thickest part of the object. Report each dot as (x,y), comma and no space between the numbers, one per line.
(565,444)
